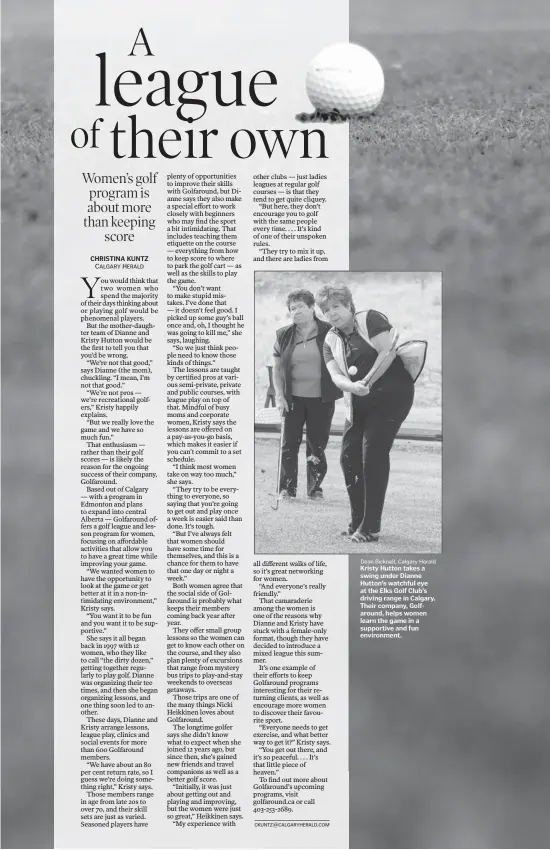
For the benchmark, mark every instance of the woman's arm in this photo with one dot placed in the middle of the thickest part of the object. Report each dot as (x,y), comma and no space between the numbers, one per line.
(343,383)
(385,344)
(280,399)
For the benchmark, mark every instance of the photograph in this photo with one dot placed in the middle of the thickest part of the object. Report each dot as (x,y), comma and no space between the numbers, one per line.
(348,418)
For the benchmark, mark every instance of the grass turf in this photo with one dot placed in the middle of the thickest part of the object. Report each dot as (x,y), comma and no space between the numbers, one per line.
(412,515)
(27,209)
(453,173)
(27,423)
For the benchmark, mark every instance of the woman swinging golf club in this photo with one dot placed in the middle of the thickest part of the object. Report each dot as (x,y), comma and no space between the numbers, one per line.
(377,377)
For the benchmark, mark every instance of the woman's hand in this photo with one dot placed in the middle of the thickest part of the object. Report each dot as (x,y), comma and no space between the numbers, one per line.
(359,388)
(282,404)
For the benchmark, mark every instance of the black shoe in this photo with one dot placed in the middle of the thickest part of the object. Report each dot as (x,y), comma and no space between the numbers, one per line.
(365,537)
(316,494)
(285,496)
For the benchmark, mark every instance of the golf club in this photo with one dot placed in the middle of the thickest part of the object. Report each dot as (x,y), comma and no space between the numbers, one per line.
(278,483)
(395,340)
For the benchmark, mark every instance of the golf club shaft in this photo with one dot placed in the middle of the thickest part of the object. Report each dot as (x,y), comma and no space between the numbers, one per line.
(279,459)
(386,355)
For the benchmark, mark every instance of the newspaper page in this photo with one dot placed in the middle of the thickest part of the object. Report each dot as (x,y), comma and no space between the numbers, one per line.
(232,614)
(201,689)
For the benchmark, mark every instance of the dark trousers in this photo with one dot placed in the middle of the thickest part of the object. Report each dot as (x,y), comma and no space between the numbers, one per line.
(316,416)
(365,456)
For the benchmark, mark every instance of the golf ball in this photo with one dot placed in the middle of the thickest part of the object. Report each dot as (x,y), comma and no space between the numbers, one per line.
(352,370)
(347,78)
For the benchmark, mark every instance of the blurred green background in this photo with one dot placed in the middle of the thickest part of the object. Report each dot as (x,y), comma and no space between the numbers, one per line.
(27,424)
(449,740)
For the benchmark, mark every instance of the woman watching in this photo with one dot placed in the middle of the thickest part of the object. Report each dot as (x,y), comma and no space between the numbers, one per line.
(305,394)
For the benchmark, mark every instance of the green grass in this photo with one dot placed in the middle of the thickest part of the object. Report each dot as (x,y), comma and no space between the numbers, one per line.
(412,512)
(27,422)
(453,173)
(27,207)
(375,16)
